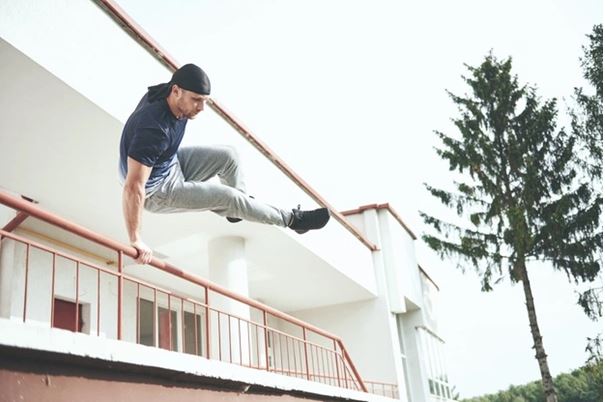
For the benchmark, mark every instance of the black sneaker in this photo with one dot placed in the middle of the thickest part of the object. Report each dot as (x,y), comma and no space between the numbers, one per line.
(303,221)
(235,220)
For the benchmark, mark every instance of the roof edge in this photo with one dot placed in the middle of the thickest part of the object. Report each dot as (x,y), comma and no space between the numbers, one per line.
(428,277)
(386,206)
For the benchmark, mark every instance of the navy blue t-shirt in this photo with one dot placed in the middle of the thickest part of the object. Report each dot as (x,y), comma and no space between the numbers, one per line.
(151,136)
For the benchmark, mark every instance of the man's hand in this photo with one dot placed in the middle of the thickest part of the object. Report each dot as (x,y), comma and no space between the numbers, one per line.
(144,251)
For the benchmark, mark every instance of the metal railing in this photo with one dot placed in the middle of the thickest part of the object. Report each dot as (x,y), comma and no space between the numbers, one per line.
(245,332)
(382,388)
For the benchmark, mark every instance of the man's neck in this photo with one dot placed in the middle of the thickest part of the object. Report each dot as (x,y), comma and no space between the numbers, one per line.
(173,108)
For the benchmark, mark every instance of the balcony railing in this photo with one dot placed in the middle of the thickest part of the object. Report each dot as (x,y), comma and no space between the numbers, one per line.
(109,302)
(383,388)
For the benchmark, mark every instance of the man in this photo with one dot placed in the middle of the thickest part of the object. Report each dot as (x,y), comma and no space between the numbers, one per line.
(161,177)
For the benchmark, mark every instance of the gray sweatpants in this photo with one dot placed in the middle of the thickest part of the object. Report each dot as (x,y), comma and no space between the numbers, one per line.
(186,188)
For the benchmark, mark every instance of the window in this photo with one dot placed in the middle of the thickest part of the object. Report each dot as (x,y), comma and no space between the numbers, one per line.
(192,333)
(167,328)
(65,315)
(167,325)
(433,355)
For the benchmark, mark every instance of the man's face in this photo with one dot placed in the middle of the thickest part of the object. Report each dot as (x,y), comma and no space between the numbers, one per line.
(189,103)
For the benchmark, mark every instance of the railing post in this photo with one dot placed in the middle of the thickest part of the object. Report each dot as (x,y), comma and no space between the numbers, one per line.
(306,354)
(169,325)
(156,335)
(98,297)
(138,320)
(195,326)
(26,280)
(120,292)
(77,318)
(266,340)
(336,361)
(207,322)
(52,295)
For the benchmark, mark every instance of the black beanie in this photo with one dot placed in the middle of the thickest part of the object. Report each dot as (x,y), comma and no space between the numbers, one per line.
(192,78)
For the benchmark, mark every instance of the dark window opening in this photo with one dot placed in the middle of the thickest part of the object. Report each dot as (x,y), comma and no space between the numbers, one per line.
(67,315)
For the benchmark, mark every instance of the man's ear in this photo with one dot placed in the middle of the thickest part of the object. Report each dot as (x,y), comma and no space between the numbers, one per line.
(175,90)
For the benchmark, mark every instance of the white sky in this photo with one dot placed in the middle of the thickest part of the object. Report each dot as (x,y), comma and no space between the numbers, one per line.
(349,93)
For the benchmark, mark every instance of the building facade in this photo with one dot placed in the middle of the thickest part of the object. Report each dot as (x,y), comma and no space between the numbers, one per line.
(225,311)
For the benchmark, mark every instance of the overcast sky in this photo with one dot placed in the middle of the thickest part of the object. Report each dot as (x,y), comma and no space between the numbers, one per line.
(349,93)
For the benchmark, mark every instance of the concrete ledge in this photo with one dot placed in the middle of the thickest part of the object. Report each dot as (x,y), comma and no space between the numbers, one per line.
(50,344)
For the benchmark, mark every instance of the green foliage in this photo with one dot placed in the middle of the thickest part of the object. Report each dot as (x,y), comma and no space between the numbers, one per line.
(520,197)
(581,385)
(587,127)
(587,124)
(587,118)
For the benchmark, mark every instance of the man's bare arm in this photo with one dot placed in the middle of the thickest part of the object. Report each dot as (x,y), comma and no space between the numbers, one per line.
(133,198)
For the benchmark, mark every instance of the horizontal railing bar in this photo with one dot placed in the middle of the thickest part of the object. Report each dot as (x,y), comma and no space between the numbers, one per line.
(301,340)
(153,287)
(160,290)
(303,373)
(380,383)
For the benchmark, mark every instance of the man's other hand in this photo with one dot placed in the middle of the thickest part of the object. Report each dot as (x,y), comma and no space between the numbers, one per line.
(144,251)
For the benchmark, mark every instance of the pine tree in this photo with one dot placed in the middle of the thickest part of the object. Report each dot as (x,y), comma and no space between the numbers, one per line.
(587,126)
(518,198)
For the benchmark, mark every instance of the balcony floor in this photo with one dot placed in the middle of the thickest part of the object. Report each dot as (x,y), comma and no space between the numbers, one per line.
(77,366)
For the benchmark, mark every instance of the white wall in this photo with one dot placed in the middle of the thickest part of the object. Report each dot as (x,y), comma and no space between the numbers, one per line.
(430,303)
(81,45)
(400,263)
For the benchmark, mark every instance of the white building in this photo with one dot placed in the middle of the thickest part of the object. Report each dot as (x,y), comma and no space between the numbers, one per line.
(241,311)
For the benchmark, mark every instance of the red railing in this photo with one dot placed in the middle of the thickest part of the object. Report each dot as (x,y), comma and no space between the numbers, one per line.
(245,332)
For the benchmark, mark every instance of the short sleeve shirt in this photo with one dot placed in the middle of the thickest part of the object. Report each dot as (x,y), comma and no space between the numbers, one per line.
(151,136)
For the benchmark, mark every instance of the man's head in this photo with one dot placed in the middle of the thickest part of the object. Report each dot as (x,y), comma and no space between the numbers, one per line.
(189,89)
